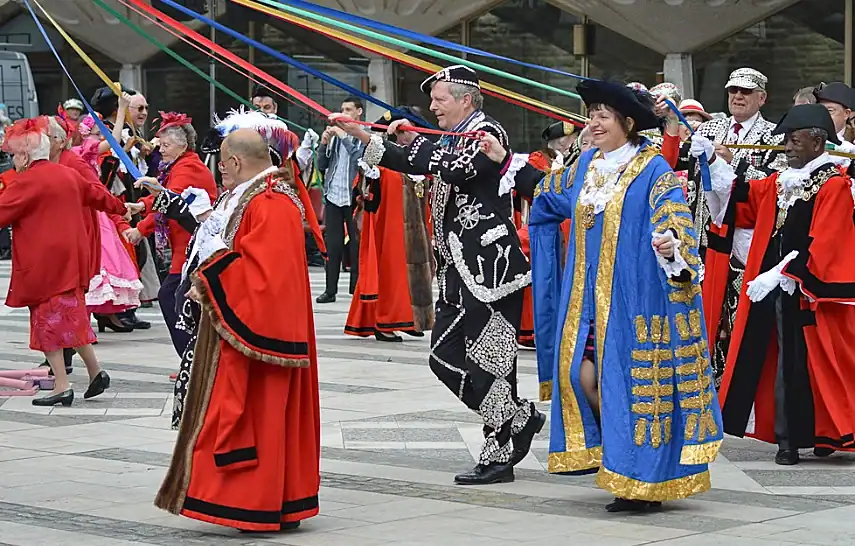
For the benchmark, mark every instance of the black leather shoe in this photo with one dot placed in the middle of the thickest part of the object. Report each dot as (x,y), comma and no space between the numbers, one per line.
(822,451)
(65,398)
(382,336)
(289,525)
(787,457)
(326,298)
(67,355)
(413,333)
(628,505)
(522,441)
(486,474)
(98,385)
(129,319)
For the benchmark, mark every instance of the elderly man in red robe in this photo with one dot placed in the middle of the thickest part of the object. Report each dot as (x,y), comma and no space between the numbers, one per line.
(790,370)
(248,449)
(51,272)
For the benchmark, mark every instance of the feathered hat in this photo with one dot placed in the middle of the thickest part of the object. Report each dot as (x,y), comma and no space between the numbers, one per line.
(25,135)
(282,144)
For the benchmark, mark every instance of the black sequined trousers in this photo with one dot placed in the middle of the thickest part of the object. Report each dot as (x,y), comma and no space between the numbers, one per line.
(474,353)
(728,318)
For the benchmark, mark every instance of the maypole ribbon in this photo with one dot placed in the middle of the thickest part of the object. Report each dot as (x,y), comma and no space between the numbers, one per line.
(407,45)
(703,160)
(418,37)
(285,59)
(140,6)
(117,148)
(151,39)
(501,93)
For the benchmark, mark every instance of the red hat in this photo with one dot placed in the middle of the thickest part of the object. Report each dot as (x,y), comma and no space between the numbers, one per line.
(172,119)
(25,135)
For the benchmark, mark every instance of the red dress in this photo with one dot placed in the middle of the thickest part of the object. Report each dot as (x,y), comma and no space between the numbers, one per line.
(188,170)
(248,450)
(50,273)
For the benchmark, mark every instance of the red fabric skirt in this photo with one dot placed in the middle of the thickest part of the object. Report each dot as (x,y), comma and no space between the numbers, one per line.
(61,322)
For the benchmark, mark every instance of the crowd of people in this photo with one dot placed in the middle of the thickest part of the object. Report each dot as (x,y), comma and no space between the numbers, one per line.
(680,274)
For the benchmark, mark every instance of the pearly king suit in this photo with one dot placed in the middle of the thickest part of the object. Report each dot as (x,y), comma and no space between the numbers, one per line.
(481,271)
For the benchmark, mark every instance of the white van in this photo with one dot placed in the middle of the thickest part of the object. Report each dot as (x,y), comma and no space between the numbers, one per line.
(17,90)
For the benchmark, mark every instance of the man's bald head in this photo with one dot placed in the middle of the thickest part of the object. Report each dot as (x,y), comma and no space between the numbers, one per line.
(243,155)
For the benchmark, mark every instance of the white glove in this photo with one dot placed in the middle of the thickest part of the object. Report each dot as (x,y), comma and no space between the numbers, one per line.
(310,139)
(702,145)
(674,265)
(761,286)
(845,147)
(199,204)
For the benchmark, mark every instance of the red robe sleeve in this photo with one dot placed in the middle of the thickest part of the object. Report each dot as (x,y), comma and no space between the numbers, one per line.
(670,148)
(260,304)
(825,266)
(97,197)
(15,199)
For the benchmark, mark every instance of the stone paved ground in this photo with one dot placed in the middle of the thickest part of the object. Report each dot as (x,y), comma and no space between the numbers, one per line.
(392,440)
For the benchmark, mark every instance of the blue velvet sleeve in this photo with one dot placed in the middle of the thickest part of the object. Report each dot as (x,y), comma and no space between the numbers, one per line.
(552,204)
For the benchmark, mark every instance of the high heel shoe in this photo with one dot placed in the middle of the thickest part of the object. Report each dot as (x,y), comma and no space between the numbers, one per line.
(105,322)
(65,398)
(98,385)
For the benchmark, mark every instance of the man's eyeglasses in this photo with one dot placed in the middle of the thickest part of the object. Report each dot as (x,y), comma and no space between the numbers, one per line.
(740,90)
(221,164)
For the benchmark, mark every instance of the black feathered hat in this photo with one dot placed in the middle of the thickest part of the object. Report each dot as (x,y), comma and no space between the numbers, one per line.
(557,130)
(630,103)
(807,116)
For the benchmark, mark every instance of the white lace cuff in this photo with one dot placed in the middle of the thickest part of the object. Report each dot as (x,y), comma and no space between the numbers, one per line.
(371,172)
(674,267)
(210,247)
(788,285)
(508,181)
(374,151)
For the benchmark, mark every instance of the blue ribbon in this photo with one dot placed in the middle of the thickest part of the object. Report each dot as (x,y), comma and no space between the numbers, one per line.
(117,148)
(415,36)
(288,60)
(703,160)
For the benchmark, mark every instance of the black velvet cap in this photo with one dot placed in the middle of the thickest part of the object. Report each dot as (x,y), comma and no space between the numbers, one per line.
(807,116)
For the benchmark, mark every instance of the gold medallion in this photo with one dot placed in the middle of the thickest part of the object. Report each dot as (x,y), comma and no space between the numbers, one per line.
(587,216)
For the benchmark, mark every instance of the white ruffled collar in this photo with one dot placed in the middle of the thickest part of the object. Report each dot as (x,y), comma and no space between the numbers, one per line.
(791,178)
(614,160)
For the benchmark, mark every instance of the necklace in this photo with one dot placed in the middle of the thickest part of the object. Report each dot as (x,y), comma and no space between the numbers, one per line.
(600,186)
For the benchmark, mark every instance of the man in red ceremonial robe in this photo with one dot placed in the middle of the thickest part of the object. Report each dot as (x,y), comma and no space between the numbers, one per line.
(790,363)
(50,274)
(395,287)
(248,449)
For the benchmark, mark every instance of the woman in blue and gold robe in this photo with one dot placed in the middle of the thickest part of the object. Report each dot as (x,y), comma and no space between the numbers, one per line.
(622,351)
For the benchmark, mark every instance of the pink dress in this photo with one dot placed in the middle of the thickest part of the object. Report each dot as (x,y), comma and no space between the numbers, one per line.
(117,285)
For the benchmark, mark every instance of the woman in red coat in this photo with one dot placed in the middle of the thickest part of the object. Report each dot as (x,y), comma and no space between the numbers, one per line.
(180,169)
(51,268)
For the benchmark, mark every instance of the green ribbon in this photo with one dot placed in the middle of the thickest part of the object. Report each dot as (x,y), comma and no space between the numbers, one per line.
(413,47)
(163,47)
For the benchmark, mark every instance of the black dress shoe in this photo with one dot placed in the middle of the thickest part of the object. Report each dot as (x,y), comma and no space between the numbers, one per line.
(65,398)
(326,298)
(413,333)
(67,355)
(522,441)
(382,336)
(486,474)
(129,318)
(628,505)
(289,525)
(822,451)
(787,457)
(98,385)
(113,323)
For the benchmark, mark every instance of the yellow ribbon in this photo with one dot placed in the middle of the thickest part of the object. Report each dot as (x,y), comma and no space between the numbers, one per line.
(402,57)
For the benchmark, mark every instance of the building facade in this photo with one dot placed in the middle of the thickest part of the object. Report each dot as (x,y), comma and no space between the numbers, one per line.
(693,43)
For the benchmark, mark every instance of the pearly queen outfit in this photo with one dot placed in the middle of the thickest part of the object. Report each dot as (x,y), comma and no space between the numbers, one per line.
(481,272)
